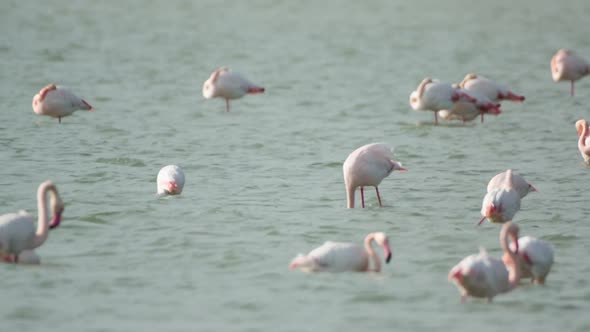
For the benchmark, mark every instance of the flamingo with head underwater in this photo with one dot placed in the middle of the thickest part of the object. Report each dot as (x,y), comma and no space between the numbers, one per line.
(367,166)
(170,180)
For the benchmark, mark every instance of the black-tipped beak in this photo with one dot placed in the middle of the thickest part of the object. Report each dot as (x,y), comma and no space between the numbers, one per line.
(388,257)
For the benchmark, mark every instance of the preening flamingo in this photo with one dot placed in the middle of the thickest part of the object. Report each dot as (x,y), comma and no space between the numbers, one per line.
(341,257)
(501,203)
(494,91)
(58,102)
(170,180)
(18,231)
(566,66)
(518,183)
(484,276)
(583,139)
(432,95)
(535,258)
(227,84)
(368,166)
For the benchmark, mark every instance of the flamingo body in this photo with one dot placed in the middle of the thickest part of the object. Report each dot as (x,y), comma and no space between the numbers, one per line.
(494,91)
(566,66)
(170,180)
(368,166)
(515,181)
(583,139)
(536,258)
(57,102)
(432,95)
(468,111)
(500,205)
(228,85)
(341,257)
(484,276)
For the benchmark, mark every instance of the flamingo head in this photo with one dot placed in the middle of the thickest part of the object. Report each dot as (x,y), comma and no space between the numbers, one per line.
(456,274)
(304,263)
(581,125)
(531,188)
(57,208)
(382,240)
(171,188)
(493,213)
(208,89)
(396,166)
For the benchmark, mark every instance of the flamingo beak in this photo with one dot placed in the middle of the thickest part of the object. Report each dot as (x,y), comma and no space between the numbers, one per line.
(481,220)
(532,188)
(515,97)
(388,254)
(56,219)
(401,169)
(90,108)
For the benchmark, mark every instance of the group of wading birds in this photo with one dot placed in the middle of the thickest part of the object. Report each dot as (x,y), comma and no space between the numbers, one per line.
(478,275)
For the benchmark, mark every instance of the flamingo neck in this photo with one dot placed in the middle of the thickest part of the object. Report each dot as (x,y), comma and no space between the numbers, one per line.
(371,253)
(583,135)
(42,221)
(513,265)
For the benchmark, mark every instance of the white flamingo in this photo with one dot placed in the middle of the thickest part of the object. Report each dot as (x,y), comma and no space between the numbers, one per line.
(496,92)
(535,258)
(57,102)
(467,111)
(367,166)
(566,66)
(227,84)
(432,95)
(518,182)
(170,180)
(340,257)
(484,276)
(18,231)
(583,139)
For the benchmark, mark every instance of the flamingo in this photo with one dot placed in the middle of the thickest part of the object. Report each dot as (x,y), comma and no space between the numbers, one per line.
(368,166)
(518,182)
(467,111)
(535,258)
(483,276)
(57,102)
(494,91)
(227,84)
(341,257)
(500,205)
(584,139)
(432,95)
(29,256)
(566,66)
(170,180)
(17,230)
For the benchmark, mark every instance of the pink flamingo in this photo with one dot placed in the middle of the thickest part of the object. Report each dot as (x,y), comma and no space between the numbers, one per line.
(467,111)
(501,203)
(18,231)
(341,257)
(535,257)
(494,91)
(566,66)
(170,180)
(518,182)
(368,166)
(484,276)
(57,102)
(432,95)
(584,139)
(227,84)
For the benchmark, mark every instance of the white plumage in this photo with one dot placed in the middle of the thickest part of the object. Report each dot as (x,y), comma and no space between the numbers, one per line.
(493,90)
(518,183)
(57,101)
(227,84)
(170,180)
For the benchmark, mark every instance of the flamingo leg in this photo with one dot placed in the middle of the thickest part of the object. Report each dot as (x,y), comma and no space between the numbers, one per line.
(463,298)
(436,118)
(378,197)
(59,119)
(481,117)
(362,197)
(572,89)
(227,105)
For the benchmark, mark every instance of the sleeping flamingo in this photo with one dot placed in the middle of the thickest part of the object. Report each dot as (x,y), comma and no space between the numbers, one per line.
(18,231)
(518,183)
(535,258)
(566,66)
(227,84)
(432,95)
(484,276)
(467,111)
(494,91)
(368,166)
(57,102)
(583,139)
(170,180)
(341,257)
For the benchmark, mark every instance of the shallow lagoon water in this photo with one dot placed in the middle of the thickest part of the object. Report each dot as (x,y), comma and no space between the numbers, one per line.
(264,182)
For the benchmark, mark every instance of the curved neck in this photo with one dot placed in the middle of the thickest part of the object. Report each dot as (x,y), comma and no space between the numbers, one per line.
(42,221)
(582,138)
(514,264)
(372,255)
(422,87)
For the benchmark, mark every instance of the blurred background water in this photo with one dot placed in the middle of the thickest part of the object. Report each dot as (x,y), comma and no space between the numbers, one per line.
(264,182)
